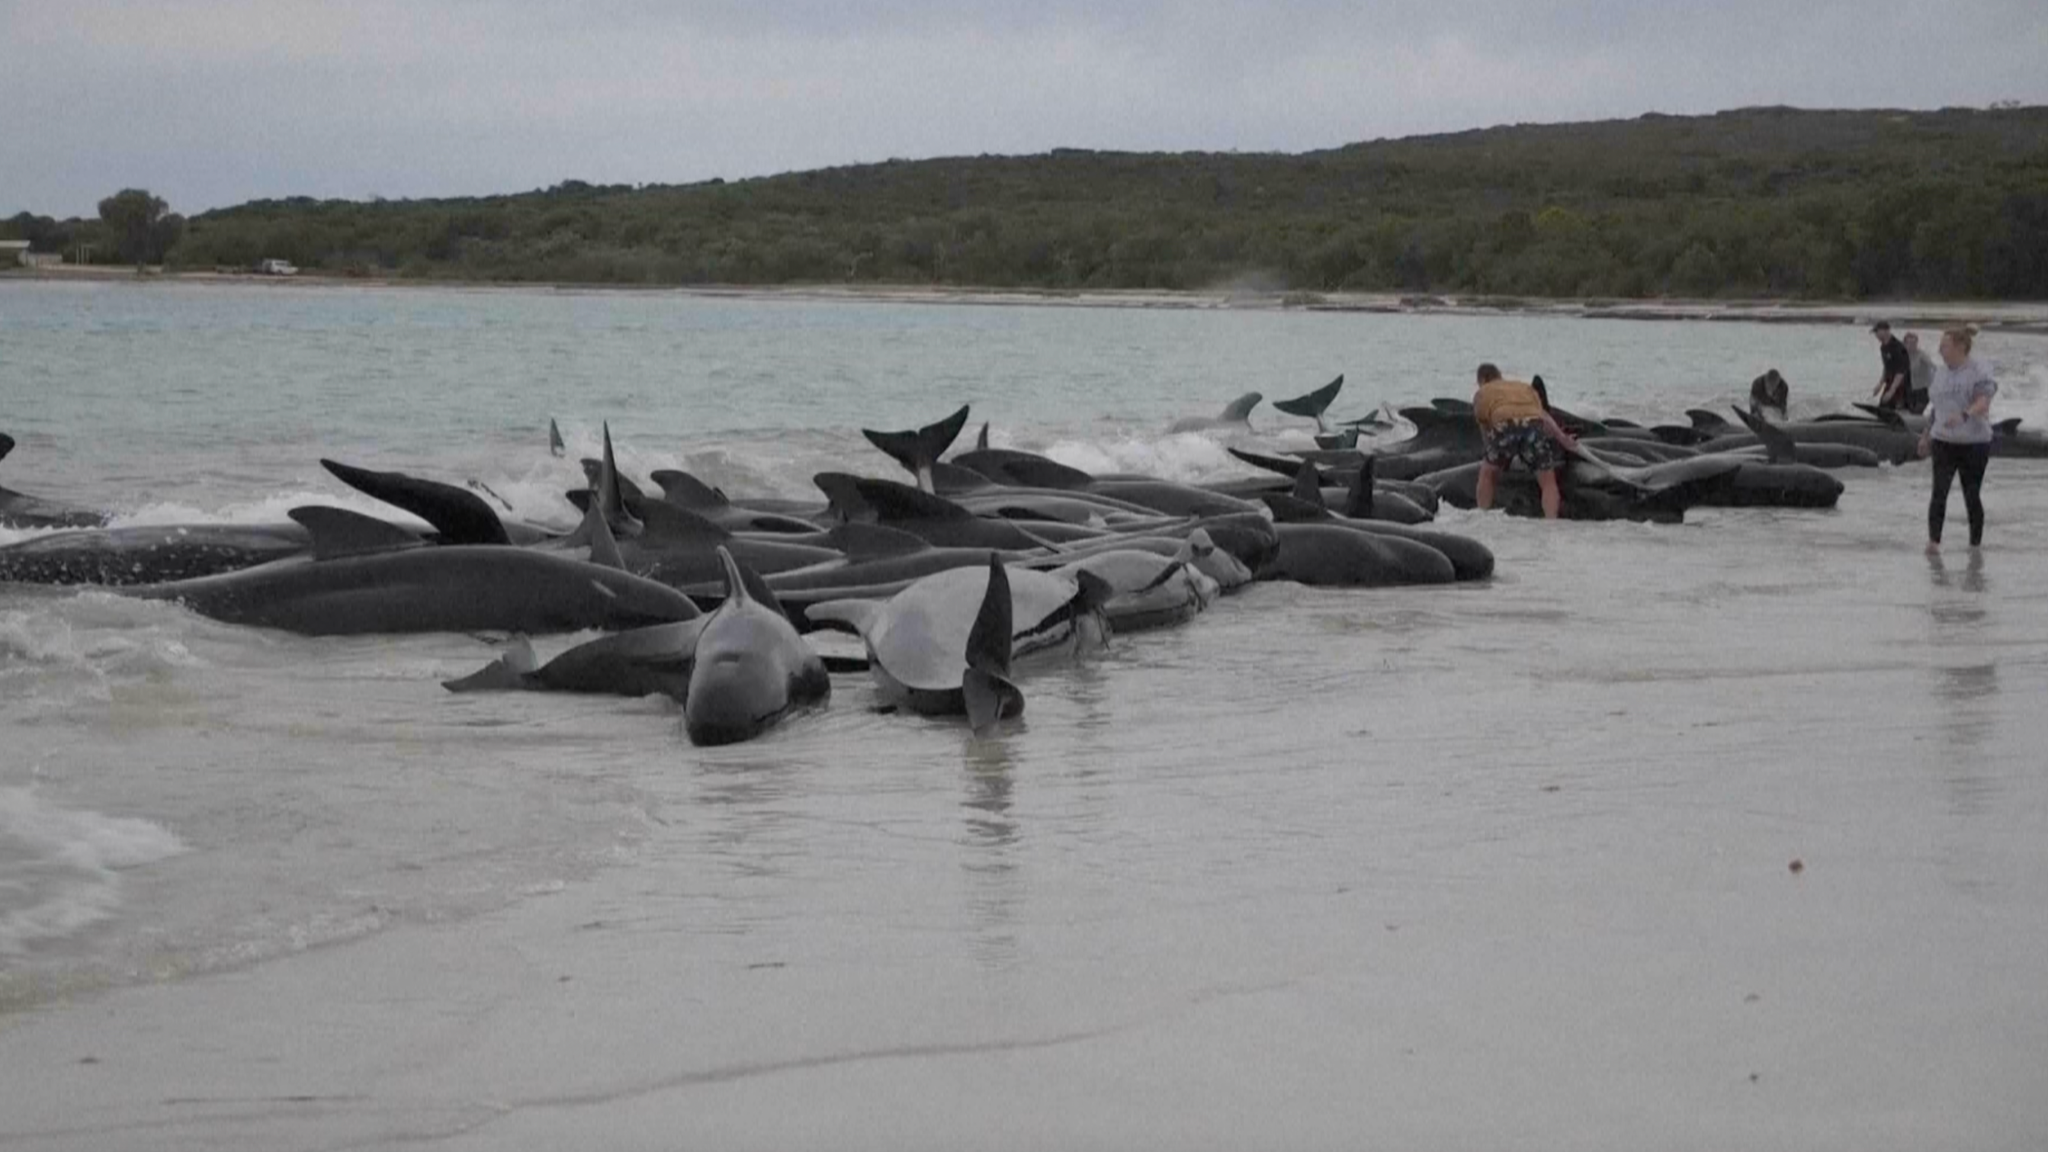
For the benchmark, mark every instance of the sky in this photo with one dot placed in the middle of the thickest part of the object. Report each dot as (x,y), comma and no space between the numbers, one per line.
(209,103)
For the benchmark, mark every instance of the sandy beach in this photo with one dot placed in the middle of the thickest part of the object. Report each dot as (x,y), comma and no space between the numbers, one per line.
(2015,316)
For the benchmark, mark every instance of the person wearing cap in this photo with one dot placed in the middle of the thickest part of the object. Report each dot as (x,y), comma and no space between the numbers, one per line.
(1898,368)
(1515,423)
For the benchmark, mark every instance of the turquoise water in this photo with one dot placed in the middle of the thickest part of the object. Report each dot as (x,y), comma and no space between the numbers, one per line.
(1494,849)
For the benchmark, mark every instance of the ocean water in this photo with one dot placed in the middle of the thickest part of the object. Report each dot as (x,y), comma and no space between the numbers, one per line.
(1507,865)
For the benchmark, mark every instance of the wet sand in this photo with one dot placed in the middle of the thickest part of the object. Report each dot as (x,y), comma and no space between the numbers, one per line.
(1730,835)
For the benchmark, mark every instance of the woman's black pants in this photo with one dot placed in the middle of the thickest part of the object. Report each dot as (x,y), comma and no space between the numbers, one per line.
(1949,459)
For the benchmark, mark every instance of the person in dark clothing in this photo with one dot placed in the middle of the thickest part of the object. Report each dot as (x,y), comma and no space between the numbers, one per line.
(1769,390)
(1898,368)
(1923,374)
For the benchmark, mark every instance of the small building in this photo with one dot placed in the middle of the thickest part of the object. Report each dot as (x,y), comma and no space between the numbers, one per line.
(13,252)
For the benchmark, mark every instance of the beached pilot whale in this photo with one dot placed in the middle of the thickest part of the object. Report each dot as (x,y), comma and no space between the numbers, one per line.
(147,554)
(751,668)
(20,510)
(737,672)
(945,645)
(365,576)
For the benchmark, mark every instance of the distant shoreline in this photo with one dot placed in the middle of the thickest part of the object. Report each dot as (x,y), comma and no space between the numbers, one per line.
(2007,316)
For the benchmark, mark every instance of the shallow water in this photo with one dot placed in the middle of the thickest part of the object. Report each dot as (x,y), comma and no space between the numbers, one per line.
(1500,866)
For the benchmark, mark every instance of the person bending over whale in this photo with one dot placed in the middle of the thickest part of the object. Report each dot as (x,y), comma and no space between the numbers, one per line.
(1769,390)
(1516,425)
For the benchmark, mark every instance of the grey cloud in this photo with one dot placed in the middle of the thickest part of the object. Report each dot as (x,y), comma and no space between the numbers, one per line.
(211,102)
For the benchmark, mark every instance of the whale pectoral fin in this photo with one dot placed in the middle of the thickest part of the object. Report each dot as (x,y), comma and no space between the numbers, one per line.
(852,616)
(508,672)
(1280,464)
(457,514)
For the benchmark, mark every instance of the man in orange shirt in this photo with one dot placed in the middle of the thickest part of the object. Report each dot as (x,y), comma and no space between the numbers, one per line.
(1517,426)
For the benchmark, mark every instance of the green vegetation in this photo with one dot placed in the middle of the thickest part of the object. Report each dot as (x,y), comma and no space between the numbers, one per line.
(1766,201)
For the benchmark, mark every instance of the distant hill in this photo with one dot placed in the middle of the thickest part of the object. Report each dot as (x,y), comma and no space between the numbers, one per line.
(1760,201)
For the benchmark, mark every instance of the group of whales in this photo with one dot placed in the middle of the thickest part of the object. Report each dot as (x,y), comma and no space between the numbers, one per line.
(1621,470)
(992,556)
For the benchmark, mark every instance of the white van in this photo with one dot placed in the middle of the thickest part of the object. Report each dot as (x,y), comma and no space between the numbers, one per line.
(276,268)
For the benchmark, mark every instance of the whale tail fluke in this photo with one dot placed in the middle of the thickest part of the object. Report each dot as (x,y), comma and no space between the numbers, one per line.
(919,448)
(1313,404)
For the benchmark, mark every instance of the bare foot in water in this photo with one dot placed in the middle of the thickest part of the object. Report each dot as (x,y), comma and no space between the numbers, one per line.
(1933,549)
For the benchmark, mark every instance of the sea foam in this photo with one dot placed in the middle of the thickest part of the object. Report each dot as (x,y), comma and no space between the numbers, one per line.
(60,868)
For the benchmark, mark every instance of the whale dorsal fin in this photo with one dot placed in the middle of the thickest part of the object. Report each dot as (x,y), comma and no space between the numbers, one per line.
(665,521)
(610,497)
(339,532)
(686,491)
(555,445)
(949,477)
(743,583)
(1358,502)
(6,445)
(986,684)
(1291,509)
(2003,428)
(1026,469)
(842,497)
(981,441)
(1240,409)
(873,541)
(1778,447)
(893,501)
(594,533)
(1308,485)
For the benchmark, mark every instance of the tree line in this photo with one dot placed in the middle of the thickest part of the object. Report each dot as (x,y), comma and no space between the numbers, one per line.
(1766,201)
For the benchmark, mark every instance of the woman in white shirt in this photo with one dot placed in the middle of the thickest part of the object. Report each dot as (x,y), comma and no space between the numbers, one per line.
(1958,433)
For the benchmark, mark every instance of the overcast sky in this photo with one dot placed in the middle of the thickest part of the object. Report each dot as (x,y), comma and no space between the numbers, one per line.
(213,102)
